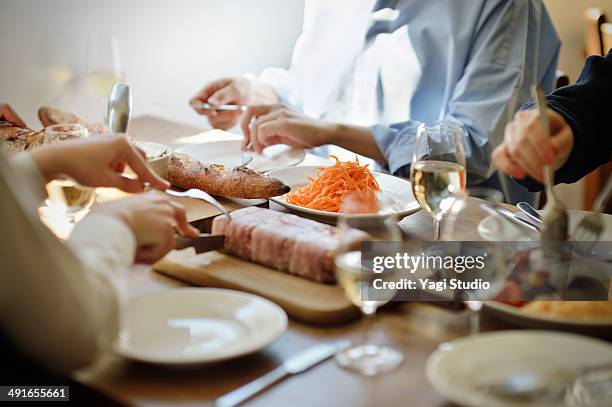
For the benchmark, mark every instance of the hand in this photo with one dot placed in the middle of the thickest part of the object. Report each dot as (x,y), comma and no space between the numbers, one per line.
(277,124)
(153,218)
(231,91)
(526,149)
(97,162)
(8,114)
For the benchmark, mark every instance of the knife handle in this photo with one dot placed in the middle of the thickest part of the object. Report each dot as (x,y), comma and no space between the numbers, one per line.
(242,394)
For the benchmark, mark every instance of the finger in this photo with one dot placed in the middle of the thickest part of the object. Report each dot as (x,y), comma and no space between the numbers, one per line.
(8,114)
(256,124)
(522,153)
(142,170)
(140,151)
(229,94)
(533,134)
(131,186)
(502,161)
(165,242)
(182,225)
(252,112)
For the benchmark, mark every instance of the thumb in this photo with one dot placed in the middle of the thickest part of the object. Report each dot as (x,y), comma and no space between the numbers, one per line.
(224,96)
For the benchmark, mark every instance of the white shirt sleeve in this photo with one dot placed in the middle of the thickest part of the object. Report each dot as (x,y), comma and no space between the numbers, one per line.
(59,303)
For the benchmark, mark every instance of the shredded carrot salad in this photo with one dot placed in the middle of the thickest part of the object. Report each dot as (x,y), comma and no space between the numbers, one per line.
(332,184)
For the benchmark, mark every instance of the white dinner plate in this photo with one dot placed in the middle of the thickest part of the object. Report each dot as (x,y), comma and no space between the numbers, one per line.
(229,154)
(459,369)
(397,189)
(197,325)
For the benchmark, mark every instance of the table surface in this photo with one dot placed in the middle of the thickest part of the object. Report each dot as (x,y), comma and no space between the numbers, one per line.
(416,329)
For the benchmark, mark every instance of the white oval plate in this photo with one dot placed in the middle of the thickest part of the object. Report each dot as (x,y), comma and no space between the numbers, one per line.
(457,369)
(197,325)
(229,154)
(398,189)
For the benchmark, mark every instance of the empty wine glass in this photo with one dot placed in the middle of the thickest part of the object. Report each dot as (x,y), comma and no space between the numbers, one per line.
(103,64)
(366,358)
(438,169)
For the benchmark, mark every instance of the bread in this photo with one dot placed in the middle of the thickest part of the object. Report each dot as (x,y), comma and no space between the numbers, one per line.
(15,139)
(581,310)
(186,172)
(49,116)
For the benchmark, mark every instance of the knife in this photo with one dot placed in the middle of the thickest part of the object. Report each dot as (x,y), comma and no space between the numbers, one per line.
(203,243)
(298,363)
(511,217)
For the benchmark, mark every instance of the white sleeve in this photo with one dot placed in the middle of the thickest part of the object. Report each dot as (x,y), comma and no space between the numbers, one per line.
(58,302)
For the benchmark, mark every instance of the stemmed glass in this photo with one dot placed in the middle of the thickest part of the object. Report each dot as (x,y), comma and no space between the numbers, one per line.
(438,169)
(66,196)
(366,358)
(103,64)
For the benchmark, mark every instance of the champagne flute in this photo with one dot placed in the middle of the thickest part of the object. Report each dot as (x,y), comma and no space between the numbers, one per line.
(103,64)
(438,169)
(66,196)
(366,358)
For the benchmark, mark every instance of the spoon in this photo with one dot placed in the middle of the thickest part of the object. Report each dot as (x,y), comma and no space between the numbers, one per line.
(555,215)
(119,108)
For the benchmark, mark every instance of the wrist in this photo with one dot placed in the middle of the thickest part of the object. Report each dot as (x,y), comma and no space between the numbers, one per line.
(49,166)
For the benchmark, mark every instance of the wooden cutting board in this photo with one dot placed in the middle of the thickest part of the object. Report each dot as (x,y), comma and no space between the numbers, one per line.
(302,299)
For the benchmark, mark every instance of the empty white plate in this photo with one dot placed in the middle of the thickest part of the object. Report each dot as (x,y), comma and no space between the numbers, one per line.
(398,190)
(197,325)
(459,369)
(229,154)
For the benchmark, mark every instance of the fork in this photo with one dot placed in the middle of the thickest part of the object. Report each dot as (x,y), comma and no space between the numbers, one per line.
(591,226)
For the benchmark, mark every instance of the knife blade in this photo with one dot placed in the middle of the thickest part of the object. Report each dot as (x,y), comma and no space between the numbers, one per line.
(298,363)
(512,217)
(203,243)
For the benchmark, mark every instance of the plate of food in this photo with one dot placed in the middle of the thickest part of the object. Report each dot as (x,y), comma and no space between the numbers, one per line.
(230,154)
(318,192)
(589,317)
(197,325)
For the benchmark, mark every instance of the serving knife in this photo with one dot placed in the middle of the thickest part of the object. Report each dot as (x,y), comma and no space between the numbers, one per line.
(119,108)
(203,243)
(298,363)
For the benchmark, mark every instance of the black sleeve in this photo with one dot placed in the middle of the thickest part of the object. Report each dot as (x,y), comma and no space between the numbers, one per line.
(587,108)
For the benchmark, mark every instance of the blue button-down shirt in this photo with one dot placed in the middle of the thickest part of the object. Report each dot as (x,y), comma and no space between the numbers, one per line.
(478,60)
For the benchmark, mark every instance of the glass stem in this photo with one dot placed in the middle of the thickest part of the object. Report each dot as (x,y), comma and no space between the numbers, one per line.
(474,322)
(369,313)
(436,227)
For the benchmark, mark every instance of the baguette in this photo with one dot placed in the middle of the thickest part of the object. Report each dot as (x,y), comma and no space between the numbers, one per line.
(14,139)
(49,116)
(186,172)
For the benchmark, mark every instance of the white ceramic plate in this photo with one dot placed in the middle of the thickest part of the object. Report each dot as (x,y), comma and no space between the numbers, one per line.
(197,325)
(397,189)
(228,153)
(488,230)
(458,369)
(517,317)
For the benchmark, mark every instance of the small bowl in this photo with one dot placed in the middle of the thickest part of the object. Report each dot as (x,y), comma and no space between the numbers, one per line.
(158,156)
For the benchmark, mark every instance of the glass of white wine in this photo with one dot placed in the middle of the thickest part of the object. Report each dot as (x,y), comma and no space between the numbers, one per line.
(66,196)
(366,358)
(438,172)
(103,64)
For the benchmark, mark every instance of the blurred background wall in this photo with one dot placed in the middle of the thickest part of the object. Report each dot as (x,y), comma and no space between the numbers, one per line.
(169,49)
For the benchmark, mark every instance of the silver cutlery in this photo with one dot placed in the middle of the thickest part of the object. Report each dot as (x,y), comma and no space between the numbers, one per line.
(592,225)
(208,106)
(298,363)
(199,194)
(509,215)
(543,385)
(530,211)
(119,108)
(203,243)
(555,217)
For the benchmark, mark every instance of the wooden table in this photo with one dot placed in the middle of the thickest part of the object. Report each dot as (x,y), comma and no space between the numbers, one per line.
(415,329)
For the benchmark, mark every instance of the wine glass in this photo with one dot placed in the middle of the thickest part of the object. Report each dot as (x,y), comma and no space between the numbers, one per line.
(438,169)
(65,196)
(357,281)
(103,64)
